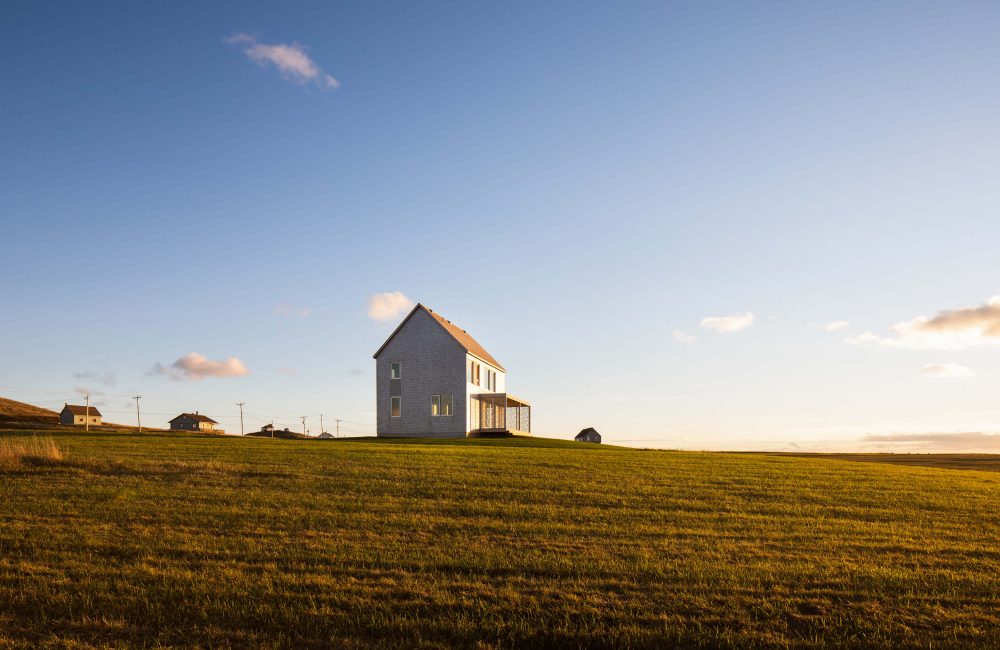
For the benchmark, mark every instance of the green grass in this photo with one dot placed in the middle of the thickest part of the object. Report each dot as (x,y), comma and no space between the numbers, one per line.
(981,462)
(173,540)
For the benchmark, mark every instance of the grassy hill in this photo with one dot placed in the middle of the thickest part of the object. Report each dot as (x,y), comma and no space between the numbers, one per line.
(12,411)
(181,540)
(16,415)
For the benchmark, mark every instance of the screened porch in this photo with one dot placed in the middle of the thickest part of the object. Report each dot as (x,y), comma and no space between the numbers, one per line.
(499,413)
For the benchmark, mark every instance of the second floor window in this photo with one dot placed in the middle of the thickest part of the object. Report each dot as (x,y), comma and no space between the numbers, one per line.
(474,373)
(395,371)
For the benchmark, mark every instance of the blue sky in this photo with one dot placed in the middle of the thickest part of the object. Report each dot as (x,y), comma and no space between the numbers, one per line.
(578,184)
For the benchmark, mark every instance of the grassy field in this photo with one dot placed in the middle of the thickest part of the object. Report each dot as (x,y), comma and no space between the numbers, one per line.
(981,462)
(172,540)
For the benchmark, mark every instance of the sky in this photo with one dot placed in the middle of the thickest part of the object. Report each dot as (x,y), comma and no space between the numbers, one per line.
(689,225)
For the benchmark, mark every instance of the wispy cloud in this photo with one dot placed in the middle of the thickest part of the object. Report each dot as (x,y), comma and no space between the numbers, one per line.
(288,310)
(355,372)
(728,324)
(947,370)
(84,390)
(196,367)
(836,326)
(290,59)
(954,329)
(103,378)
(288,372)
(681,337)
(388,305)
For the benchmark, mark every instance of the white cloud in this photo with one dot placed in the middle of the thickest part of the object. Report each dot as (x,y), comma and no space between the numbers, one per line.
(836,326)
(388,305)
(681,337)
(84,390)
(947,370)
(867,339)
(196,367)
(290,59)
(950,330)
(728,324)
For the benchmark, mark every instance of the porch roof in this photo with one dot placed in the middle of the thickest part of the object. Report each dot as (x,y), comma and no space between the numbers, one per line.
(507,398)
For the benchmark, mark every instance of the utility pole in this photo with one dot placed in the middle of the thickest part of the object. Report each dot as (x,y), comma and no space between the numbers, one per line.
(241,404)
(303,425)
(321,431)
(138,418)
(86,418)
(338,427)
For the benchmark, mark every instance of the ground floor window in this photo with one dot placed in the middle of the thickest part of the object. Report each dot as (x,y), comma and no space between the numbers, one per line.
(442,404)
(395,408)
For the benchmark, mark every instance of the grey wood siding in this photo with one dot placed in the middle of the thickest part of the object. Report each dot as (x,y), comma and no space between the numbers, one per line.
(432,363)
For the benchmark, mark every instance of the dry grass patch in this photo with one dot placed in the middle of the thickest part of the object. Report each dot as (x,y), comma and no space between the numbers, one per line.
(29,450)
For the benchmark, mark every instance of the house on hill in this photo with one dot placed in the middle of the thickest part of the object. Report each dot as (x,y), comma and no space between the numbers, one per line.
(80,415)
(194,422)
(432,379)
(588,435)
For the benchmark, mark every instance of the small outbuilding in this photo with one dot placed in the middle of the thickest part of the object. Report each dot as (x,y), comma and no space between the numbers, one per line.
(194,422)
(79,415)
(588,435)
(325,435)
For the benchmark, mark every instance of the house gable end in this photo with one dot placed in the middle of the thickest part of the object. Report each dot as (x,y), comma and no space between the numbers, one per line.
(460,336)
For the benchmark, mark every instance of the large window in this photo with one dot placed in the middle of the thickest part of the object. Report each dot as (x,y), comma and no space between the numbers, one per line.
(442,405)
(395,371)
(395,408)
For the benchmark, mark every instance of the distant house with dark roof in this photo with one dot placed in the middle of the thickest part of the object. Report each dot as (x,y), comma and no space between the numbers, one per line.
(80,415)
(588,435)
(194,422)
(432,379)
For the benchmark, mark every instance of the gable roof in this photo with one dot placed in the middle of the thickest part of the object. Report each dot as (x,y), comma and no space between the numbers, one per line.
(462,337)
(81,410)
(586,432)
(196,417)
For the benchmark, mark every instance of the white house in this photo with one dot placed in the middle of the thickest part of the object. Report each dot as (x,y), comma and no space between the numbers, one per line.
(194,422)
(432,379)
(73,414)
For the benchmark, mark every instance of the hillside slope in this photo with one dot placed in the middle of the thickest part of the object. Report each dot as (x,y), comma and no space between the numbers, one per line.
(14,411)
(165,540)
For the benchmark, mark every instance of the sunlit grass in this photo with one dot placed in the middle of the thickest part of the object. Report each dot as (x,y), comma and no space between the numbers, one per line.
(187,540)
(20,450)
